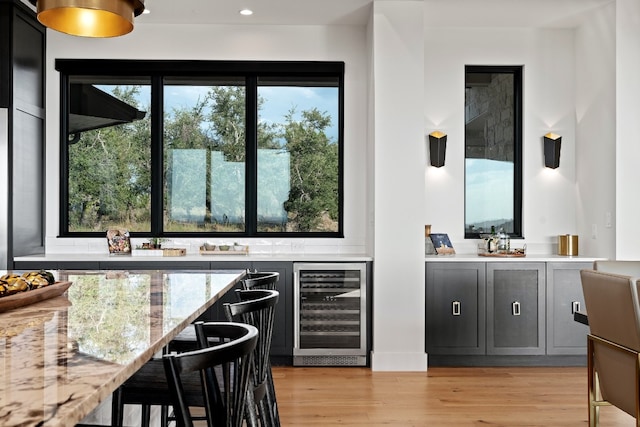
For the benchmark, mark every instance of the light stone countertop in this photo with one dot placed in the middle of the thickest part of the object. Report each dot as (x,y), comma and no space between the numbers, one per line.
(62,357)
(71,257)
(527,258)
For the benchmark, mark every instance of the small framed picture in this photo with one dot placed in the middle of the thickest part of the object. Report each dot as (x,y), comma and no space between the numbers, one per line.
(119,242)
(442,244)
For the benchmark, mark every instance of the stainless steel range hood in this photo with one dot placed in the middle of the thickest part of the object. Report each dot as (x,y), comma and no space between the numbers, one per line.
(90,108)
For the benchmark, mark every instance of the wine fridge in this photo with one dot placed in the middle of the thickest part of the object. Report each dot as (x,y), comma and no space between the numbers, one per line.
(330,319)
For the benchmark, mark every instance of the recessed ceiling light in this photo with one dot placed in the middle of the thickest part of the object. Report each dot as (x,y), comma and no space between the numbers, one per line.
(246,12)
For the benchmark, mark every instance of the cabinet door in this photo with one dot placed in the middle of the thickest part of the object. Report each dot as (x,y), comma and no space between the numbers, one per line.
(216,311)
(455,308)
(564,296)
(515,308)
(282,339)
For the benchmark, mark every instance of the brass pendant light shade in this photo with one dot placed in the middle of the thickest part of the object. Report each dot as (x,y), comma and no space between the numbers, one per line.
(89,18)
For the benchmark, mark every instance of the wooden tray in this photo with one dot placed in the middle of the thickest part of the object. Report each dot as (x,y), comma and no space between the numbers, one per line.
(503,255)
(245,251)
(35,295)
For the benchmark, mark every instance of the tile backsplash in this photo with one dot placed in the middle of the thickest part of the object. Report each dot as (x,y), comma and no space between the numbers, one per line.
(256,246)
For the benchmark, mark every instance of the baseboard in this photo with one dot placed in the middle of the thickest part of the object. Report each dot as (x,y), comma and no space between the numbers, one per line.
(482,360)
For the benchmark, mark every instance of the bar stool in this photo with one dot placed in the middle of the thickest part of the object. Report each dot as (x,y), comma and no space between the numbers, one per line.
(261,280)
(186,339)
(266,280)
(254,280)
(230,363)
(148,387)
(257,308)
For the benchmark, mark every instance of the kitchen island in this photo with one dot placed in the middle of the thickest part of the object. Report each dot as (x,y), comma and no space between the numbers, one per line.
(62,357)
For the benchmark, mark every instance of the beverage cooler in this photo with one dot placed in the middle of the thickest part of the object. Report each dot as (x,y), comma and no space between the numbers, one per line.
(330,319)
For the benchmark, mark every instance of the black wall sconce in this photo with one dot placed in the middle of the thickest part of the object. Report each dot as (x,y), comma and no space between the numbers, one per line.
(552,144)
(437,148)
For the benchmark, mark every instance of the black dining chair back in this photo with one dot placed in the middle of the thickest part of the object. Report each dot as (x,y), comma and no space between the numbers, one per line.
(224,370)
(257,308)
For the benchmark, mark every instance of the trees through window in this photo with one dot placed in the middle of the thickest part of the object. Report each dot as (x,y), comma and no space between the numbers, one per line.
(170,148)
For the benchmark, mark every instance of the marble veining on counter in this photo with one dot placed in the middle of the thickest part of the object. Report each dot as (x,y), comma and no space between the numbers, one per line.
(63,356)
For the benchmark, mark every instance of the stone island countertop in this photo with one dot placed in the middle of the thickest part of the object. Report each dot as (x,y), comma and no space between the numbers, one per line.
(63,356)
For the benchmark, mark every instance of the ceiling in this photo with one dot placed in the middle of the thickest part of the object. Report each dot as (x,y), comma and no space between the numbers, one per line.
(457,13)
(438,13)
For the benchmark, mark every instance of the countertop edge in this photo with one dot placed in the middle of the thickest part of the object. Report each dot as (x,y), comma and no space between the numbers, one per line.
(69,257)
(528,258)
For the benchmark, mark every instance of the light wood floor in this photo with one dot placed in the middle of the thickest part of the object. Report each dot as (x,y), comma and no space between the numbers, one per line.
(440,397)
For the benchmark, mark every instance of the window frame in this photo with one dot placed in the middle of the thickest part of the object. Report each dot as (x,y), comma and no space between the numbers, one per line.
(517,72)
(157,70)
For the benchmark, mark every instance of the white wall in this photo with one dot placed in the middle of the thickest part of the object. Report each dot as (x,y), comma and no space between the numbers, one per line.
(398,75)
(595,46)
(403,81)
(547,55)
(199,42)
(627,129)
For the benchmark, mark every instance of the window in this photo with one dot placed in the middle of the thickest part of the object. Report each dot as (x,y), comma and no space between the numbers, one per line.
(493,150)
(202,148)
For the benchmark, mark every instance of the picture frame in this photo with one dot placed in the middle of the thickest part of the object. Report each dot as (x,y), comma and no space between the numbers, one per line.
(119,242)
(442,244)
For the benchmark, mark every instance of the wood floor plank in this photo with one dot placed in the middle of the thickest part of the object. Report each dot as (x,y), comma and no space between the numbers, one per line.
(447,397)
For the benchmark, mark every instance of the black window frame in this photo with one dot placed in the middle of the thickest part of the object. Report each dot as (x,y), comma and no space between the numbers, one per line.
(156,70)
(517,72)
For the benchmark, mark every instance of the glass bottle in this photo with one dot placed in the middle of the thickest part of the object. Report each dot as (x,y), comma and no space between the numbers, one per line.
(503,241)
(491,241)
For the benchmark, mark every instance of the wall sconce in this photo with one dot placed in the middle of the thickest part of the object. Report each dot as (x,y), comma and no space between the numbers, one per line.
(437,148)
(89,18)
(552,150)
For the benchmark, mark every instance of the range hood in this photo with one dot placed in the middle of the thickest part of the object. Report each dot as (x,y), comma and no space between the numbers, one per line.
(90,108)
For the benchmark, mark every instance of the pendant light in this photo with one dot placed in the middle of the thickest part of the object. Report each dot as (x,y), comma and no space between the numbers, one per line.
(89,18)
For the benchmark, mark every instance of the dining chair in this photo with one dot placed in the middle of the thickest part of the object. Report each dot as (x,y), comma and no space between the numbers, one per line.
(257,308)
(613,342)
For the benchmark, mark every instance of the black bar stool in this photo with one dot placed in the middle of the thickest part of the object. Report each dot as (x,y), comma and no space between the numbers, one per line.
(257,308)
(147,387)
(186,340)
(224,371)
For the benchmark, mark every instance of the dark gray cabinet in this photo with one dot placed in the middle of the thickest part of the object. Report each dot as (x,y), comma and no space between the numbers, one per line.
(22,119)
(564,296)
(504,313)
(515,308)
(116,264)
(455,308)
(282,340)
